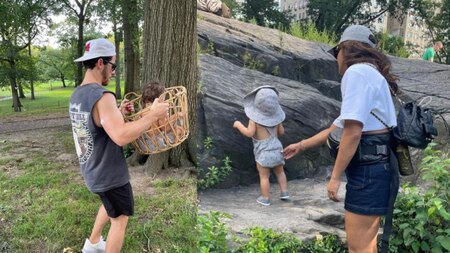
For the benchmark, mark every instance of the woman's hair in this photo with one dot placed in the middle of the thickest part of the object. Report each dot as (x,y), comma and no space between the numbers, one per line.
(359,52)
(151,91)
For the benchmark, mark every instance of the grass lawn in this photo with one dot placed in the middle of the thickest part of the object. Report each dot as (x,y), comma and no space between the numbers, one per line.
(45,206)
(49,97)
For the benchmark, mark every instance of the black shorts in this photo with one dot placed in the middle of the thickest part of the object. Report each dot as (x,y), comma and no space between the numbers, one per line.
(118,201)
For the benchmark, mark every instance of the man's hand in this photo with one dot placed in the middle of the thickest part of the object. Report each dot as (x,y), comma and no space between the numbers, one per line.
(159,110)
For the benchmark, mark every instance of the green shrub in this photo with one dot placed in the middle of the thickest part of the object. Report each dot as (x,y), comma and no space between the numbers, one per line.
(309,32)
(421,218)
(215,175)
(268,241)
(212,232)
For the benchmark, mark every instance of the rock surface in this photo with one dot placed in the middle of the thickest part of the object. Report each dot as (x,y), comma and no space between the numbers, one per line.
(237,57)
(306,214)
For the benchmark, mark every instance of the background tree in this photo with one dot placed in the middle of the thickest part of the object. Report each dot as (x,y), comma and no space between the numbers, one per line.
(392,45)
(266,13)
(131,16)
(113,9)
(81,9)
(55,64)
(335,16)
(19,26)
(170,56)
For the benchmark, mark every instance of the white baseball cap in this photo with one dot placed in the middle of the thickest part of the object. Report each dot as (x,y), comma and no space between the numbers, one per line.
(97,48)
(357,33)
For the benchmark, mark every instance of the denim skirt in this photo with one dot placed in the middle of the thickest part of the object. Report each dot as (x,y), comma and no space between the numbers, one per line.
(368,188)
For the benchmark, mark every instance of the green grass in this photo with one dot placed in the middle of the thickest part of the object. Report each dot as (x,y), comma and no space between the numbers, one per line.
(49,98)
(44,207)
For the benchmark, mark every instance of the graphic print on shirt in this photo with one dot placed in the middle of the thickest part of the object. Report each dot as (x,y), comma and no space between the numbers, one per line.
(82,137)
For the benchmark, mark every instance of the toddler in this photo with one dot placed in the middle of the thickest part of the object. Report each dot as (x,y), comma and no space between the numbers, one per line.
(265,117)
(150,92)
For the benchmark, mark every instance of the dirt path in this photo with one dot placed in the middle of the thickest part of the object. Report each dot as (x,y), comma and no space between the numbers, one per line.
(49,135)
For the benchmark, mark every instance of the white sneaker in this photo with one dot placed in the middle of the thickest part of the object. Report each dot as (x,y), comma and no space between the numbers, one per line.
(94,248)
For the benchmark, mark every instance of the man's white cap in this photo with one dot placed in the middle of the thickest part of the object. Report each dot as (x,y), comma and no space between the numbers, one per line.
(97,48)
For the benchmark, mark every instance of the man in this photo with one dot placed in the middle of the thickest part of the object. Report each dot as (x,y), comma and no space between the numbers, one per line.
(431,51)
(99,132)
(215,6)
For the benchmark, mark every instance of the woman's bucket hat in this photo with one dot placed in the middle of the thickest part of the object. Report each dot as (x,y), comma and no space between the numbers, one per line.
(261,105)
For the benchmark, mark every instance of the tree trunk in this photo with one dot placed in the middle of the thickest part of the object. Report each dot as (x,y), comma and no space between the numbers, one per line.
(63,81)
(131,44)
(13,81)
(170,57)
(32,78)
(117,39)
(79,76)
(21,94)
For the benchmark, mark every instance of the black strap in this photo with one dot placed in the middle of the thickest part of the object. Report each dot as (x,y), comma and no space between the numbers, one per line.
(387,228)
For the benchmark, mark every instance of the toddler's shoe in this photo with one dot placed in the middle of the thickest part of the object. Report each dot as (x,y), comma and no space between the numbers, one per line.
(263,201)
(99,247)
(284,195)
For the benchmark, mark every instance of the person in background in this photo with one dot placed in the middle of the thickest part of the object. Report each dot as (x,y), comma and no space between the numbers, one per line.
(99,132)
(431,51)
(214,6)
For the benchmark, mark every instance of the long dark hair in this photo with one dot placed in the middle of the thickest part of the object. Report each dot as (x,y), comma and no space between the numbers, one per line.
(359,52)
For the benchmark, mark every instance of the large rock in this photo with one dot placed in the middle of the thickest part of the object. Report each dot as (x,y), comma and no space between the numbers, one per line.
(223,87)
(237,57)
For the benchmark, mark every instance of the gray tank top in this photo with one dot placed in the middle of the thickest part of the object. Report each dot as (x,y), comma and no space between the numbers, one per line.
(102,162)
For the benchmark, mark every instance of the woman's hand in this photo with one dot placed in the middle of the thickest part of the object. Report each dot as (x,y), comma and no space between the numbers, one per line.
(292,150)
(333,188)
(236,124)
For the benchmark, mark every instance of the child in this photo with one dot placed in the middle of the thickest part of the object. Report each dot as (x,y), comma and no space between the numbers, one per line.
(150,92)
(265,116)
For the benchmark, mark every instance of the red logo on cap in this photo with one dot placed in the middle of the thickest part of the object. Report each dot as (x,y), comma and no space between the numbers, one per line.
(88,46)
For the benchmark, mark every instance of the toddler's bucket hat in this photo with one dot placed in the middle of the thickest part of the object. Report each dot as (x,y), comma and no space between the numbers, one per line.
(97,48)
(261,105)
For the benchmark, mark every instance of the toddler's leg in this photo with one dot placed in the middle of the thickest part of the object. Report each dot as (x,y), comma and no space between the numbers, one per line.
(281,177)
(264,174)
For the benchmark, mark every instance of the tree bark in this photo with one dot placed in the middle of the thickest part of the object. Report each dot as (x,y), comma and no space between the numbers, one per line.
(79,76)
(32,78)
(131,44)
(13,81)
(170,57)
(117,40)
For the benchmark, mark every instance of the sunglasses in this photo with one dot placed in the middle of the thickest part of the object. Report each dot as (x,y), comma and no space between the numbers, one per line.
(335,51)
(113,65)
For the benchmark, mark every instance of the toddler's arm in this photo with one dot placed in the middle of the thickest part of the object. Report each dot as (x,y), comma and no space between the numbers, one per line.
(246,131)
(280,129)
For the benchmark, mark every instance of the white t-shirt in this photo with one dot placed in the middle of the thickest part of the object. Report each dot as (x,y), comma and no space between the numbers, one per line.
(364,90)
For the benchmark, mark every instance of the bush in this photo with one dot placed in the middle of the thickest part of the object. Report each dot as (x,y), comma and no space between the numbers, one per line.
(215,175)
(212,232)
(421,218)
(309,32)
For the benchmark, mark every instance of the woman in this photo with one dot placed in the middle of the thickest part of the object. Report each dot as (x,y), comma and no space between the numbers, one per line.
(367,113)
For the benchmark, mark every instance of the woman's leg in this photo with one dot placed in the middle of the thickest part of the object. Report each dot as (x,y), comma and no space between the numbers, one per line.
(264,174)
(361,232)
(281,177)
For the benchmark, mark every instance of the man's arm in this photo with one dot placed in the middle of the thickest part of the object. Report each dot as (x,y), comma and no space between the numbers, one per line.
(108,116)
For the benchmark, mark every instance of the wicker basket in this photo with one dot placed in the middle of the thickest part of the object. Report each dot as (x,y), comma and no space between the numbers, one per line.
(166,136)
